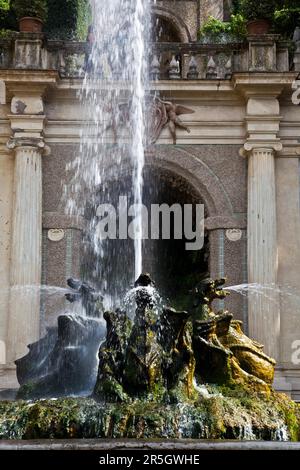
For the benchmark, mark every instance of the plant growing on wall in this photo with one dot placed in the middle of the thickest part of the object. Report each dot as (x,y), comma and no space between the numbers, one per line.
(258,9)
(31,8)
(287,17)
(7,19)
(215,30)
(68,19)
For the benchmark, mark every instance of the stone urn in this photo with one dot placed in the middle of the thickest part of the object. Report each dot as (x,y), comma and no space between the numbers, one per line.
(29,24)
(258,27)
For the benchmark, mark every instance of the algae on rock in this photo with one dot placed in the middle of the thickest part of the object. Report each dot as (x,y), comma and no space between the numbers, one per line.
(167,374)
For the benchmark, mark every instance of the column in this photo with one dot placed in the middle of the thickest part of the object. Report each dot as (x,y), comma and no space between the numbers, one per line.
(264,308)
(24,312)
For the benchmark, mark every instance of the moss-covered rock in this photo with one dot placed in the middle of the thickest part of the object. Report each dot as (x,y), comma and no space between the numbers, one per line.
(219,414)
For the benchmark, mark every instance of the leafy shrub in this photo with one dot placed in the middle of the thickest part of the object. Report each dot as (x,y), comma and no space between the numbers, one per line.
(68,19)
(258,9)
(34,8)
(7,18)
(216,30)
(287,17)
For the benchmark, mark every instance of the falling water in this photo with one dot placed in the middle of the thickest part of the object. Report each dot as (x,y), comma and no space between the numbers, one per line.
(111,158)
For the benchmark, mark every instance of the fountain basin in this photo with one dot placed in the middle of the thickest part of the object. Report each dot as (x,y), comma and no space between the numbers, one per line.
(222,414)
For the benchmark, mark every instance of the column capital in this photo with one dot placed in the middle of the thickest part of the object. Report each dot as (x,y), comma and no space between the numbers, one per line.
(250,147)
(28,142)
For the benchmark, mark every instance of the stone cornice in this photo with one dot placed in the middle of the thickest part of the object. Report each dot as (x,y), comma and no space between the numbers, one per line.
(289,152)
(62,221)
(271,84)
(29,77)
(28,82)
(218,223)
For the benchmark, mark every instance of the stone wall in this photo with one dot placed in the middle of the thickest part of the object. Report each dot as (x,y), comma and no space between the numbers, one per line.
(216,172)
(183,14)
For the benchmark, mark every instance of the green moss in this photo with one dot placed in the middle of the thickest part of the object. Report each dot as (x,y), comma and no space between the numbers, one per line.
(236,415)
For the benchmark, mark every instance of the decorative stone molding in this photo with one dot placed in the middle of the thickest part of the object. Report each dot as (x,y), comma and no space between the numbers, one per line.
(29,143)
(55,219)
(248,147)
(219,222)
(289,152)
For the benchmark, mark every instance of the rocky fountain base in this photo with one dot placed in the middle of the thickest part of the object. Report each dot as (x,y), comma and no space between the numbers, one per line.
(163,375)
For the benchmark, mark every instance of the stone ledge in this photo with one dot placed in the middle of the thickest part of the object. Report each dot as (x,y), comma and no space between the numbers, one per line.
(141,444)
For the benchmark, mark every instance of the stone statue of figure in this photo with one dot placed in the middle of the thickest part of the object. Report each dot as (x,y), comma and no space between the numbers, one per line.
(173,113)
(165,113)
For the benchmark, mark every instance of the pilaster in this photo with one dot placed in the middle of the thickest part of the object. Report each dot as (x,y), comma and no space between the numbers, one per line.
(262,123)
(27,120)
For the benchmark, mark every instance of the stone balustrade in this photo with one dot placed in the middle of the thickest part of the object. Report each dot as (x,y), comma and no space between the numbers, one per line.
(188,61)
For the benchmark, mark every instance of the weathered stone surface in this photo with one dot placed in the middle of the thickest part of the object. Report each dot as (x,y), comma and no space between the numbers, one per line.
(64,362)
(224,414)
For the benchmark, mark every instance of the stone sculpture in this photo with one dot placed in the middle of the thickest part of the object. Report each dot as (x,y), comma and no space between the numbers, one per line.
(160,357)
(90,300)
(165,113)
(163,374)
(65,360)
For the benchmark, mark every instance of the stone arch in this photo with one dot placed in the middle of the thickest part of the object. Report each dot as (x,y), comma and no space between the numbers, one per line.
(190,168)
(198,174)
(177,23)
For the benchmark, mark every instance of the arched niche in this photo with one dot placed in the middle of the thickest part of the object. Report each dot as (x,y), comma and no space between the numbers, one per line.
(175,26)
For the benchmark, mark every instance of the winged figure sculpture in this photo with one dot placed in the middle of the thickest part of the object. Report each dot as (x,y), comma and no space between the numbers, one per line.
(166,113)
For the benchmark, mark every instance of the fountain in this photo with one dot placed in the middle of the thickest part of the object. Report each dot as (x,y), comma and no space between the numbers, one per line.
(162,374)
(153,371)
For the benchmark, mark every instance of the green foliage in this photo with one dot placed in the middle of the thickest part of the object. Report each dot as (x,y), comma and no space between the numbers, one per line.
(34,8)
(238,26)
(4,7)
(287,18)
(215,29)
(6,33)
(7,18)
(224,415)
(283,14)
(68,19)
(236,6)
(258,9)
